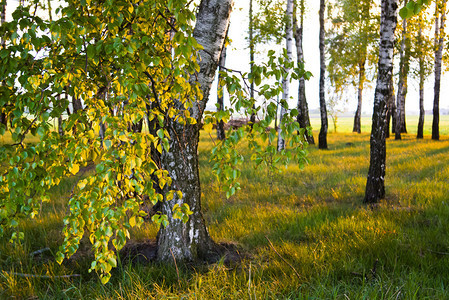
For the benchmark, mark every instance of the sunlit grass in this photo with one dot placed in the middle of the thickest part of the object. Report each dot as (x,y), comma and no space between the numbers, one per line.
(314,218)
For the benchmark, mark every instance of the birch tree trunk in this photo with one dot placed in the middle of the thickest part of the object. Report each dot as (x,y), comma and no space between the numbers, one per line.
(358,113)
(191,241)
(439,40)
(286,79)
(322,137)
(391,111)
(420,133)
(401,84)
(375,185)
(251,55)
(302,106)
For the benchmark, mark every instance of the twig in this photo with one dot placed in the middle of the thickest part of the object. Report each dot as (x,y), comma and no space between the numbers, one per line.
(274,249)
(41,276)
(176,266)
(437,252)
(40,251)
(168,22)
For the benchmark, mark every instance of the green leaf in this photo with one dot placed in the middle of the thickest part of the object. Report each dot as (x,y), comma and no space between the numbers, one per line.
(403,12)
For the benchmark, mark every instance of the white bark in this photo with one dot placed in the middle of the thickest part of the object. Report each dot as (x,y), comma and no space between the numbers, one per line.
(375,185)
(210,31)
(286,79)
(190,241)
(401,84)
(439,45)
(322,136)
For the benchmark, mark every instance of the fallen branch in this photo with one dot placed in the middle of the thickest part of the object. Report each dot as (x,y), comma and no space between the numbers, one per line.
(41,276)
(274,249)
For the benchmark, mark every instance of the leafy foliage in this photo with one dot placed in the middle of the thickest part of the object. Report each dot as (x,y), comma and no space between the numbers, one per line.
(261,138)
(126,62)
(413,8)
(352,42)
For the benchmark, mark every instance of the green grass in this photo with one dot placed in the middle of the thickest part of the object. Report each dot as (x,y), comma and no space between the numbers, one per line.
(314,217)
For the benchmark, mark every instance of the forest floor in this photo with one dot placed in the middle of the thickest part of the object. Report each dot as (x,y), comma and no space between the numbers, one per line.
(302,234)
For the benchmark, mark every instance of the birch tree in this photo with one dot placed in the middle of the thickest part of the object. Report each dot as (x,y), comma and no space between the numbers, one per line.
(124,69)
(351,46)
(286,79)
(190,240)
(322,137)
(120,66)
(404,66)
(422,53)
(375,186)
(302,106)
(440,20)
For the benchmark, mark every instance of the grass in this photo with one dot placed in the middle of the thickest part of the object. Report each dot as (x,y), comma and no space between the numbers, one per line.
(314,218)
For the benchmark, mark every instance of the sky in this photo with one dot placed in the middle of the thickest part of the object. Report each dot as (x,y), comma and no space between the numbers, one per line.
(238,59)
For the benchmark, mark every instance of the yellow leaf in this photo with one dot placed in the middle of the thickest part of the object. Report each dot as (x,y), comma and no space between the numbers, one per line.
(132,221)
(208,127)
(74,169)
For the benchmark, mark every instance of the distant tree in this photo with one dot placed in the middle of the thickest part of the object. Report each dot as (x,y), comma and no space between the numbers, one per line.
(440,19)
(422,52)
(350,44)
(303,109)
(375,185)
(404,67)
(322,137)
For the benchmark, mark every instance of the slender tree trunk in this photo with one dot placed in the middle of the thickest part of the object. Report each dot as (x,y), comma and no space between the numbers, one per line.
(439,40)
(407,55)
(420,133)
(221,135)
(401,84)
(358,114)
(286,79)
(322,137)
(375,185)
(391,111)
(303,109)
(76,104)
(251,56)
(191,241)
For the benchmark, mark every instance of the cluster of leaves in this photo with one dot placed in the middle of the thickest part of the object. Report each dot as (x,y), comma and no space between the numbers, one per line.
(125,61)
(269,20)
(261,138)
(413,8)
(352,43)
